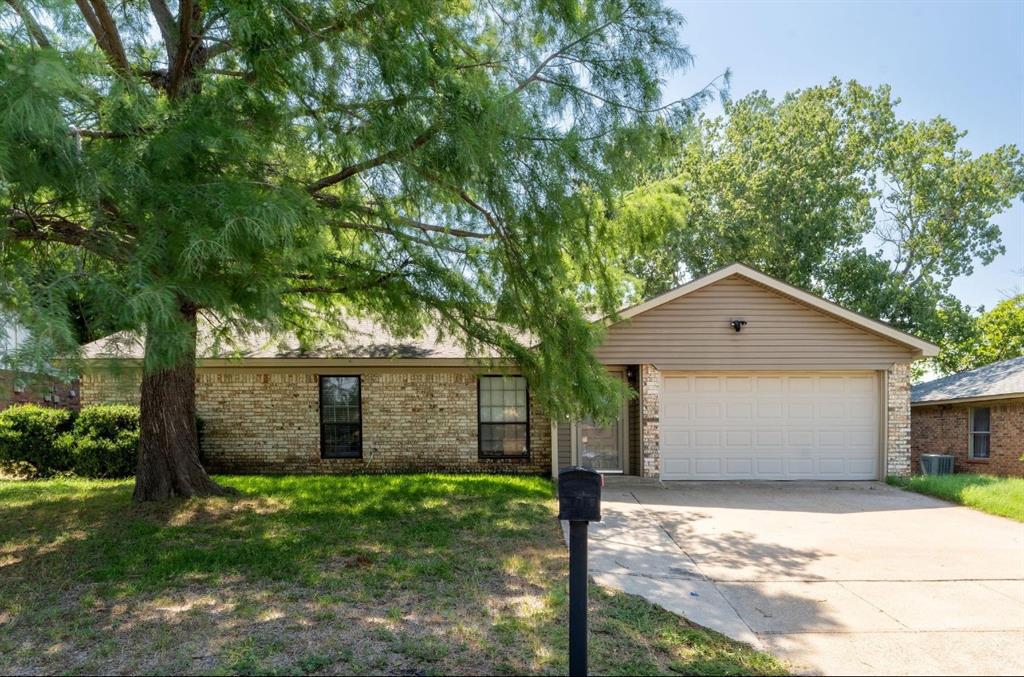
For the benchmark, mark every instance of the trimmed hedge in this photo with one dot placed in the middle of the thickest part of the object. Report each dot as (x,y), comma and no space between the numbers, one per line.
(105,441)
(101,441)
(36,435)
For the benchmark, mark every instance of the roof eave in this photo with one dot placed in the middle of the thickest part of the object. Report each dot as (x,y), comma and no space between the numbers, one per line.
(968,400)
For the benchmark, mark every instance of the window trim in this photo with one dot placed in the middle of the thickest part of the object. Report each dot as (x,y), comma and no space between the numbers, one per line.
(320,408)
(971,432)
(480,423)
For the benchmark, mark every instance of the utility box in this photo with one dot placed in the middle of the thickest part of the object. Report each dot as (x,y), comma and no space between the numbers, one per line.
(579,494)
(937,464)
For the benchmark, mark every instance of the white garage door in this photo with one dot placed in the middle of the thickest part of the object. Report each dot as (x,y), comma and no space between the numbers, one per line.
(785,426)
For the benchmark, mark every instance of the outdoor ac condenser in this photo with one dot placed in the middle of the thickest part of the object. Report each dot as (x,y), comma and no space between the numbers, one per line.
(937,464)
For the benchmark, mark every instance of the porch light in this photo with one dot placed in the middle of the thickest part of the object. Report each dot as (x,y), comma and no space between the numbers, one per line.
(738,324)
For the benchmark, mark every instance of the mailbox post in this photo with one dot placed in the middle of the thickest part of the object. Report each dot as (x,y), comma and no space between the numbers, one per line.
(579,503)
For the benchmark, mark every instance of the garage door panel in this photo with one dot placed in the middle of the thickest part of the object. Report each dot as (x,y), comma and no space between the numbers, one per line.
(707,410)
(832,410)
(740,467)
(801,425)
(708,467)
(738,438)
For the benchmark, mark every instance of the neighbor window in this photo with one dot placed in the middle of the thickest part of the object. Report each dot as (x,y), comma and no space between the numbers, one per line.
(341,420)
(504,428)
(981,432)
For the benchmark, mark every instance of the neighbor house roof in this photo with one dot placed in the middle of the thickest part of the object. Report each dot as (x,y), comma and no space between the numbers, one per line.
(998,380)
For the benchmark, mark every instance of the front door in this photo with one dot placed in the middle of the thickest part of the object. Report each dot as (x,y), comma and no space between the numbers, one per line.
(600,446)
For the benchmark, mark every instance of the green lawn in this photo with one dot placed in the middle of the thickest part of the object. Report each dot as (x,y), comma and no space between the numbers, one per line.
(305,575)
(997,495)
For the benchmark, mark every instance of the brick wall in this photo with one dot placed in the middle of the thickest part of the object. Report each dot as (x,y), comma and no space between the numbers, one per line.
(897,420)
(650,421)
(48,392)
(945,429)
(269,421)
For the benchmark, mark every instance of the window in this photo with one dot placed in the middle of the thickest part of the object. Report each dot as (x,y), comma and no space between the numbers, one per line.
(980,432)
(341,420)
(504,420)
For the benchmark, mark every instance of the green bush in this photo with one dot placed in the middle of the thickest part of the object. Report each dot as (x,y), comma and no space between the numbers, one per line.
(105,441)
(36,435)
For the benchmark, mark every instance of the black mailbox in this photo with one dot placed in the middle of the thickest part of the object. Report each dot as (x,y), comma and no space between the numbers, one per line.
(579,495)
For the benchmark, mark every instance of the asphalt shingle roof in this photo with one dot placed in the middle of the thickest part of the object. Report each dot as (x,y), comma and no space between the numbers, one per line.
(363,339)
(998,379)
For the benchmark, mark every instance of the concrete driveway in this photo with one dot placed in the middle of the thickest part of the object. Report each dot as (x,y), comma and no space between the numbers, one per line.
(836,578)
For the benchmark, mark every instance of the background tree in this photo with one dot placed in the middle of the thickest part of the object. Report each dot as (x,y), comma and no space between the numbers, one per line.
(268,165)
(828,190)
(995,335)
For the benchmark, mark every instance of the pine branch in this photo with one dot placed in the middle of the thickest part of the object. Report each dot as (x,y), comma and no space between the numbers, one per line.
(165,21)
(101,23)
(26,226)
(347,288)
(382,159)
(31,25)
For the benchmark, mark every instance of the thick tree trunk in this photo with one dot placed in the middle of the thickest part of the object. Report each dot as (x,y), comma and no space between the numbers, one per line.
(168,441)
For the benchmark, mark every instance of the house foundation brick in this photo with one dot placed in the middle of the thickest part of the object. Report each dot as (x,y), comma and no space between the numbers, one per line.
(897,421)
(650,421)
(269,421)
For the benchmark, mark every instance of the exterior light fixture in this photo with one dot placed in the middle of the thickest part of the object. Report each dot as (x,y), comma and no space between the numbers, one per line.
(738,324)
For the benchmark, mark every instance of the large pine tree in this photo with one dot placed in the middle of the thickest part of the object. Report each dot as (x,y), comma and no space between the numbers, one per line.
(271,164)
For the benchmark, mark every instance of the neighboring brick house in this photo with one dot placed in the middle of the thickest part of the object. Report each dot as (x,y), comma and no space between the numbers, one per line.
(26,388)
(738,375)
(977,416)
(17,388)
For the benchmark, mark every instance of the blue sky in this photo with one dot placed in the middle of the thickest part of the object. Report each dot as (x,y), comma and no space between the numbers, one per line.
(961,60)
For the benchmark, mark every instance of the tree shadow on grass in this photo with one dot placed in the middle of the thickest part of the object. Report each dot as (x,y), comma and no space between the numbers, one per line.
(90,580)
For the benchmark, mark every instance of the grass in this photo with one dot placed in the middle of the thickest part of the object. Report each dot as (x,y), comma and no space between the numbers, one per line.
(416,574)
(1002,496)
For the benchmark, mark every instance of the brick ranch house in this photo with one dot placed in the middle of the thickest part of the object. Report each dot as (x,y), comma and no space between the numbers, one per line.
(977,416)
(738,376)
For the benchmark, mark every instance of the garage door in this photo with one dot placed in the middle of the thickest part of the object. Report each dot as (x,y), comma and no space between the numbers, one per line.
(785,426)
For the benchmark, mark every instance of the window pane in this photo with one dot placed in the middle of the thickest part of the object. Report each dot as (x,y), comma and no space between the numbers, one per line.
(507,439)
(339,399)
(341,440)
(503,399)
(981,445)
(980,417)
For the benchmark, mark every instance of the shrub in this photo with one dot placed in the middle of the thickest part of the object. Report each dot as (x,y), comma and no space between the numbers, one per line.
(105,441)
(36,435)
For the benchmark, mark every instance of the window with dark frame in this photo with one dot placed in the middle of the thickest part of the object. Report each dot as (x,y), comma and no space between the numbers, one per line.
(341,417)
(981,432)
(503,405)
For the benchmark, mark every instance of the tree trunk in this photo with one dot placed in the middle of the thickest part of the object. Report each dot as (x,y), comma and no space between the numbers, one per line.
(168,441)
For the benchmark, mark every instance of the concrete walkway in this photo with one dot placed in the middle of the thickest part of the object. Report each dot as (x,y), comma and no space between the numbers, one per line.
(836,578)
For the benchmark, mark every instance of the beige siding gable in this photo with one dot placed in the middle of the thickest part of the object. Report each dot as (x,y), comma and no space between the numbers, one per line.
(692,332)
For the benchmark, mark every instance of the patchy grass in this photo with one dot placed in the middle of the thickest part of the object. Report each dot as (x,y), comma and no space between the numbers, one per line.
(416,574)
(996,495)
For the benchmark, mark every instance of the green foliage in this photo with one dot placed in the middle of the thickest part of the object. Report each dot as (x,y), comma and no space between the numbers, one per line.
(996,495)
(414,162)
(993,336)
(33,434)
(828,190)
(105,441)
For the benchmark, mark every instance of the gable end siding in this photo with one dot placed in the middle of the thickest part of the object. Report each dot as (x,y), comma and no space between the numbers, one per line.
(693,333)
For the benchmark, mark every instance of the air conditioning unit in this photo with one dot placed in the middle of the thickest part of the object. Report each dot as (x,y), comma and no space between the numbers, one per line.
(937,464)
